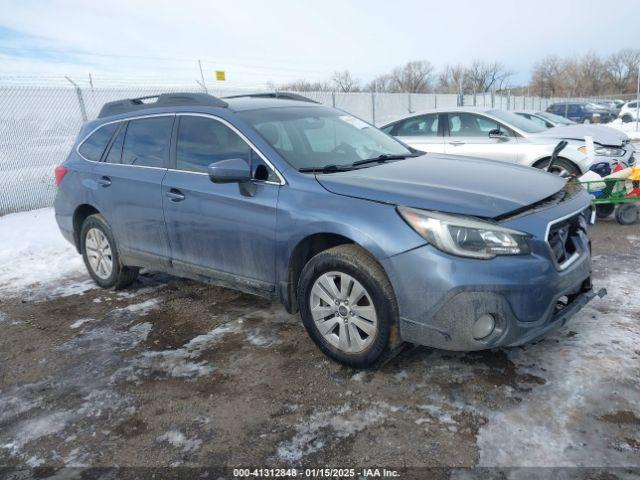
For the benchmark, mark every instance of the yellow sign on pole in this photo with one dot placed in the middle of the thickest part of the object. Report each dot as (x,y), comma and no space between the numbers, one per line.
(220,75)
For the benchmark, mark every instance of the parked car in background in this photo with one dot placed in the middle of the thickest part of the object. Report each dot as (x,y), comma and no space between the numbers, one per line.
(610,105)
(372,242)
(601,134)
(546,119)
(582,112)
(629,112)
(503,135)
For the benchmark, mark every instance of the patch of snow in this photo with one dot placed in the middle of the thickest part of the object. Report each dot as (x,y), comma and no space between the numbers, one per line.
(179,440)
(36,428)
(79,323)
(108,340)
(628,128)
(587,375)
(178,363)
(34,255)
(323,426)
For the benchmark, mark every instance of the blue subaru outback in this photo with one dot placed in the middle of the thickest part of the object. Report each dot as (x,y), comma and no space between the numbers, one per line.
(374,243)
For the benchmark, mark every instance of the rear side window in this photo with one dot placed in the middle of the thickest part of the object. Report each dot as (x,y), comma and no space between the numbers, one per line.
(92,147)
(146,143)
(423,126)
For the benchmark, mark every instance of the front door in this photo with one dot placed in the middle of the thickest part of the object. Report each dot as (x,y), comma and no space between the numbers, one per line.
(219,230)
(469,135)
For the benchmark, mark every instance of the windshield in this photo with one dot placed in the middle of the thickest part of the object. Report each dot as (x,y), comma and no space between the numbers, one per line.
(317,137)
(552,117)
(514,120)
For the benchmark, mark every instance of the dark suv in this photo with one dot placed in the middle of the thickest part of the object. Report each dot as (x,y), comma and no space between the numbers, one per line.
(373,242)
(582,112)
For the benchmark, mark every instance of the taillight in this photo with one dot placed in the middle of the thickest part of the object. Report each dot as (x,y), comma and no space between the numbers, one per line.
(60,173)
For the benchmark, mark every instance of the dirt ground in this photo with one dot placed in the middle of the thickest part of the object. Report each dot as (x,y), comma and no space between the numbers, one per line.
(173,372)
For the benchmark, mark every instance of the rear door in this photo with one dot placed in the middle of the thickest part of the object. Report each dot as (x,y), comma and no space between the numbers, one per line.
(218,230)
(129,193)
(422,132)
(469,135)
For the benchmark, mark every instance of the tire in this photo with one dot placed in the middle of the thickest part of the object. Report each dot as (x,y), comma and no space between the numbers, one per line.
(626,119)
(586,121)
(627,214)
(561,166)
(100,255)
(604,210)
(350,268)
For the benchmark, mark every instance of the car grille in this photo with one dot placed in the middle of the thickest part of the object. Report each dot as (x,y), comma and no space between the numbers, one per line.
(562,236)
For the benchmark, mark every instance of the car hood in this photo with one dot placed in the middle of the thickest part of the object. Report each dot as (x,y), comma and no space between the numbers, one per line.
(601,134)
(447,183)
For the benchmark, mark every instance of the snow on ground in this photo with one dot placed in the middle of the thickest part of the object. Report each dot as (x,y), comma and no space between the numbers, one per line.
(33,253)
(628,128)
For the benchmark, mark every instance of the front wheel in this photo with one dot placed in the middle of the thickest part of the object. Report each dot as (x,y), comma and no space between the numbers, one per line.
(100,255)
(561,167)
(347,305)
(627,118)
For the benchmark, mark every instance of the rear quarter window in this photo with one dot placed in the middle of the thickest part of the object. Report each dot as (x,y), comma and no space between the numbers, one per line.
(93,147)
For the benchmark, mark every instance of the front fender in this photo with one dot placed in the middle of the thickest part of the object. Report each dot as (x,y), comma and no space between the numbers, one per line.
(376,227)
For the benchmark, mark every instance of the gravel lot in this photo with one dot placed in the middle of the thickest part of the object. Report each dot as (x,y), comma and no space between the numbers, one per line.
(172,372)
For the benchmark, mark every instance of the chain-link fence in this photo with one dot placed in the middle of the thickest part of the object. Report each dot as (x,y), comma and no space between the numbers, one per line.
(39,124)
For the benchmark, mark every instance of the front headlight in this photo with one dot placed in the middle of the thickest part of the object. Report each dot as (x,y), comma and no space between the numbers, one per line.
(464,236)
(605,151)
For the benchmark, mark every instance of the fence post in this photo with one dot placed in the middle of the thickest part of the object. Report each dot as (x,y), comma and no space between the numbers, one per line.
(333,99)
(83,109)
(373,108)
(409,97)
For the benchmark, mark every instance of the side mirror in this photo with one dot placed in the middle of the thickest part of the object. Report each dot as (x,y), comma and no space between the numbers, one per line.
(497,133)
(233,170)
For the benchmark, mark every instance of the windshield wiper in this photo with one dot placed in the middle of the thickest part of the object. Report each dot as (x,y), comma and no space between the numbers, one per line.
(384,158)
(327,169)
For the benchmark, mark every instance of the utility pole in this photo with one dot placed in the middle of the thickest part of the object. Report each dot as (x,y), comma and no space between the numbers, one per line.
(203,84)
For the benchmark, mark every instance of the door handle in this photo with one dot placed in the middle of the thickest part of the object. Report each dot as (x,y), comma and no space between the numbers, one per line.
(455,143)
(104,181)
(175,195)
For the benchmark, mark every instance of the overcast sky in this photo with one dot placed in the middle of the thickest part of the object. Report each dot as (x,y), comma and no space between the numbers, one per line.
(272,40)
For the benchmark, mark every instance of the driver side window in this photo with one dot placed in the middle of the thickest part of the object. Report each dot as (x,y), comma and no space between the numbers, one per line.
(471,125)
(202,141)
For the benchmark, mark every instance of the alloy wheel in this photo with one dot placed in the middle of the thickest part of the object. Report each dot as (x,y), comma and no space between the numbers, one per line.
(99,253)
(343,312)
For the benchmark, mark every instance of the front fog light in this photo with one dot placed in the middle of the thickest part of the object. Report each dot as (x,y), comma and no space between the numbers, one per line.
(484,326)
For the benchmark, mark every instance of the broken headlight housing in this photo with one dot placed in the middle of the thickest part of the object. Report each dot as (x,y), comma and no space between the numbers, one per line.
(465,236)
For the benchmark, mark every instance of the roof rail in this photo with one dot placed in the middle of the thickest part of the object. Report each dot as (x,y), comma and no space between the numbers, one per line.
(162,100)
(281,95)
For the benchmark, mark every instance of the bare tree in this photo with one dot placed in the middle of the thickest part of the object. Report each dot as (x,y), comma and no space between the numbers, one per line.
(622,68)
(306,86)
(413,77)
(344,82)
(453,79)
(381,83)
(485,76)
(547,77)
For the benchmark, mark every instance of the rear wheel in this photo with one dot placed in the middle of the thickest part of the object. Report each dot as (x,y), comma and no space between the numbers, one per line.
(100,254)
(347,305)
(586,121)
(627,214)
